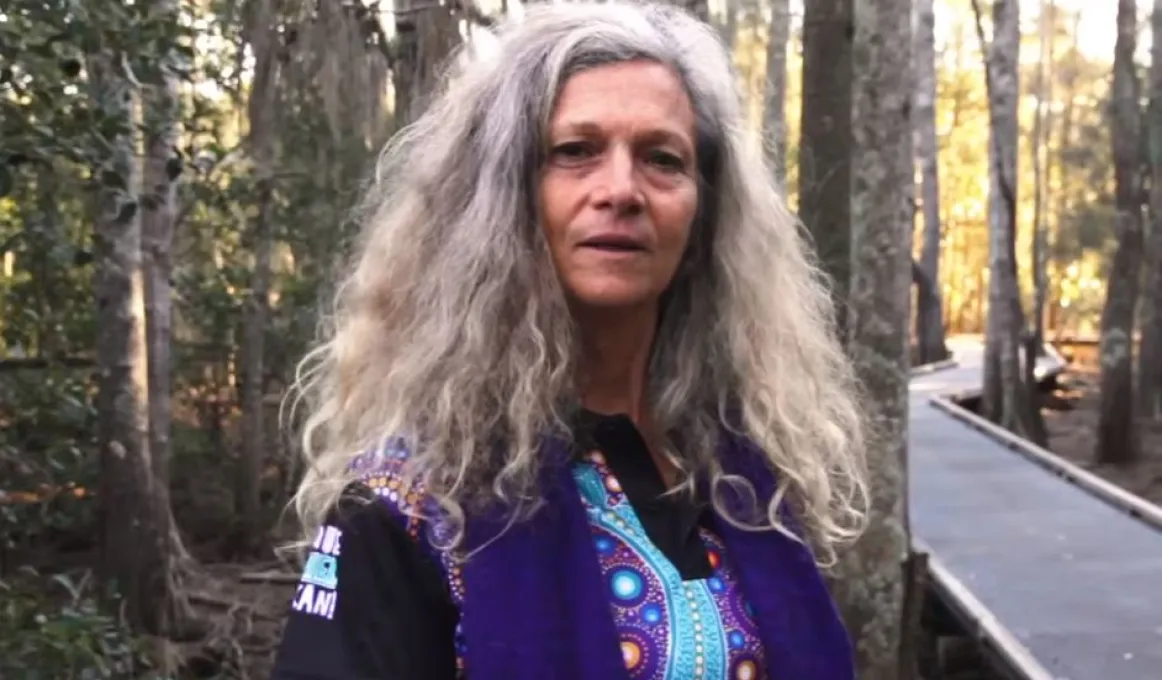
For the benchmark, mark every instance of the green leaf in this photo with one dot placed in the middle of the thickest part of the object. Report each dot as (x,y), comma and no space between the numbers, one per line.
(68,585)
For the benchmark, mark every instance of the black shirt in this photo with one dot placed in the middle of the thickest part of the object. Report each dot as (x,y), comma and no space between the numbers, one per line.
(391,616)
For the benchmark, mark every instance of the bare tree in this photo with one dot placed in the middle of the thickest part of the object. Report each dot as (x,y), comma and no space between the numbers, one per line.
(134,541)
(263,139)
(1150,349)
(1004,399)
(871,587)
(930,315)
(1067,76)
(162,166)
(1041,133)
(825,144)
(1117,427)
(727,23)
(427,34)
(158,199)
(775,100)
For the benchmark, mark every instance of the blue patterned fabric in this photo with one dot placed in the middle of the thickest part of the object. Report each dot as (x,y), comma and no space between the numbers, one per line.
(669,629)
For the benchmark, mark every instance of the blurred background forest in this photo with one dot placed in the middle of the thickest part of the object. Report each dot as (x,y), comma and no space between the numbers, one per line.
(177,182)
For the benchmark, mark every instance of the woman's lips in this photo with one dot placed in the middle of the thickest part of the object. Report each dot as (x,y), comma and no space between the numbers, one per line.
(614,243)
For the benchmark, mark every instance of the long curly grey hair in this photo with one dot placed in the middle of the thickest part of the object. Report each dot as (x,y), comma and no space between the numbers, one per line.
(451,326)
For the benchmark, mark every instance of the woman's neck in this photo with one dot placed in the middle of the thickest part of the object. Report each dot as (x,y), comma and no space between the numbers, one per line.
(614,360)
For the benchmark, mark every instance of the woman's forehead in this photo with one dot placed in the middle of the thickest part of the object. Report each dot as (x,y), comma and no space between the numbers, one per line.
(636,93)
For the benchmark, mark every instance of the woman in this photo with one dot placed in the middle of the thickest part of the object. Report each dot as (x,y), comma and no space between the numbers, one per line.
(582,408)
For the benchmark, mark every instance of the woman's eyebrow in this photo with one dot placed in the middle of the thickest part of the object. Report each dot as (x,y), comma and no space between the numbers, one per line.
(653,134)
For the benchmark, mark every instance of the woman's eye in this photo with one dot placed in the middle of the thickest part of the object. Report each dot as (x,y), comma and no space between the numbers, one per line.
(666,161)
(572,151)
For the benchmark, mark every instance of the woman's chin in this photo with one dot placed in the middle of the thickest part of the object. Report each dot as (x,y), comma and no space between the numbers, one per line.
(612,295)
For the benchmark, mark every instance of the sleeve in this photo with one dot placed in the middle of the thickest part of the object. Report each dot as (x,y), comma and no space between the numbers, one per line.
(370,605)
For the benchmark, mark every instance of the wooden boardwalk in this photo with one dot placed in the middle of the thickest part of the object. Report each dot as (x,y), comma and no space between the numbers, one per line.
(1069,576)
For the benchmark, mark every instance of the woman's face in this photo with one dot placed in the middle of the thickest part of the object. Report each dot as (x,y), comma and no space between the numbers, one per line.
(619,190)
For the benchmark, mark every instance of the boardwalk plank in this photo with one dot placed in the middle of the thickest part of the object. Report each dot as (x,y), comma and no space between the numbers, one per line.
(1074,579)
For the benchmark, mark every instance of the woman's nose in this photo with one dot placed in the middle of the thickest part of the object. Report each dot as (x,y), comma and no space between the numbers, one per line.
(619,186)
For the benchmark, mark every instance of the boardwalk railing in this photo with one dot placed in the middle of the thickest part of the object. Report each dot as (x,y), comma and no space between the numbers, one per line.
(979,622)
(1052,576)
(1116,496)
(974,617)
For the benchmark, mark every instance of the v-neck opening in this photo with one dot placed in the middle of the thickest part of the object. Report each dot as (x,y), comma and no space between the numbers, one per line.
(671,522)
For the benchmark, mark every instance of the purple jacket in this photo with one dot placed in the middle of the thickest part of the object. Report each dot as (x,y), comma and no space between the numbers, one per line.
(538,609)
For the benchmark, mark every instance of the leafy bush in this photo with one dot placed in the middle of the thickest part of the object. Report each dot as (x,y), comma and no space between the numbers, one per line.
(46,457)
(52,629)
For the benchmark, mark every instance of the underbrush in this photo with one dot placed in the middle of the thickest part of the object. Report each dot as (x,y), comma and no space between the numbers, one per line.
(51,628)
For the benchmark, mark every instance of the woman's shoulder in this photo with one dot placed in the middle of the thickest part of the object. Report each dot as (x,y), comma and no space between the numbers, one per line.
(383,478)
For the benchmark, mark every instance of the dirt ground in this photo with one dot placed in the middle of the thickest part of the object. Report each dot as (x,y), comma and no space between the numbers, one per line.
(243,613)
(1073,435)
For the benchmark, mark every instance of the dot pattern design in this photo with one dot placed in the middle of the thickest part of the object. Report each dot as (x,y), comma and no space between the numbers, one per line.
(382,471)
(669,629)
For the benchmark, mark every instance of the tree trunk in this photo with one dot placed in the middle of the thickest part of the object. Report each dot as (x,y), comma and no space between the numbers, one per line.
(47,210)
(255,316)
(1042,133)
(871,585)
(930,315)
(1068,81)
(1150,349)
(134,542)
(1117,430)
(775,101)
(1035,337)
(159,211)
(1004,400)
(727,24)
(825,144)
(262,113)
(426,34)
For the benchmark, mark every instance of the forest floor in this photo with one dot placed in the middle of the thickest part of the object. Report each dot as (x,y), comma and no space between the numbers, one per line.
(244,615)
(1073,436)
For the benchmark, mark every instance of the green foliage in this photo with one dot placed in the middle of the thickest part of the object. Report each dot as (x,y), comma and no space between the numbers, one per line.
(51,628)
(61,119)
(1088,217)
(46,427)
(46,46)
